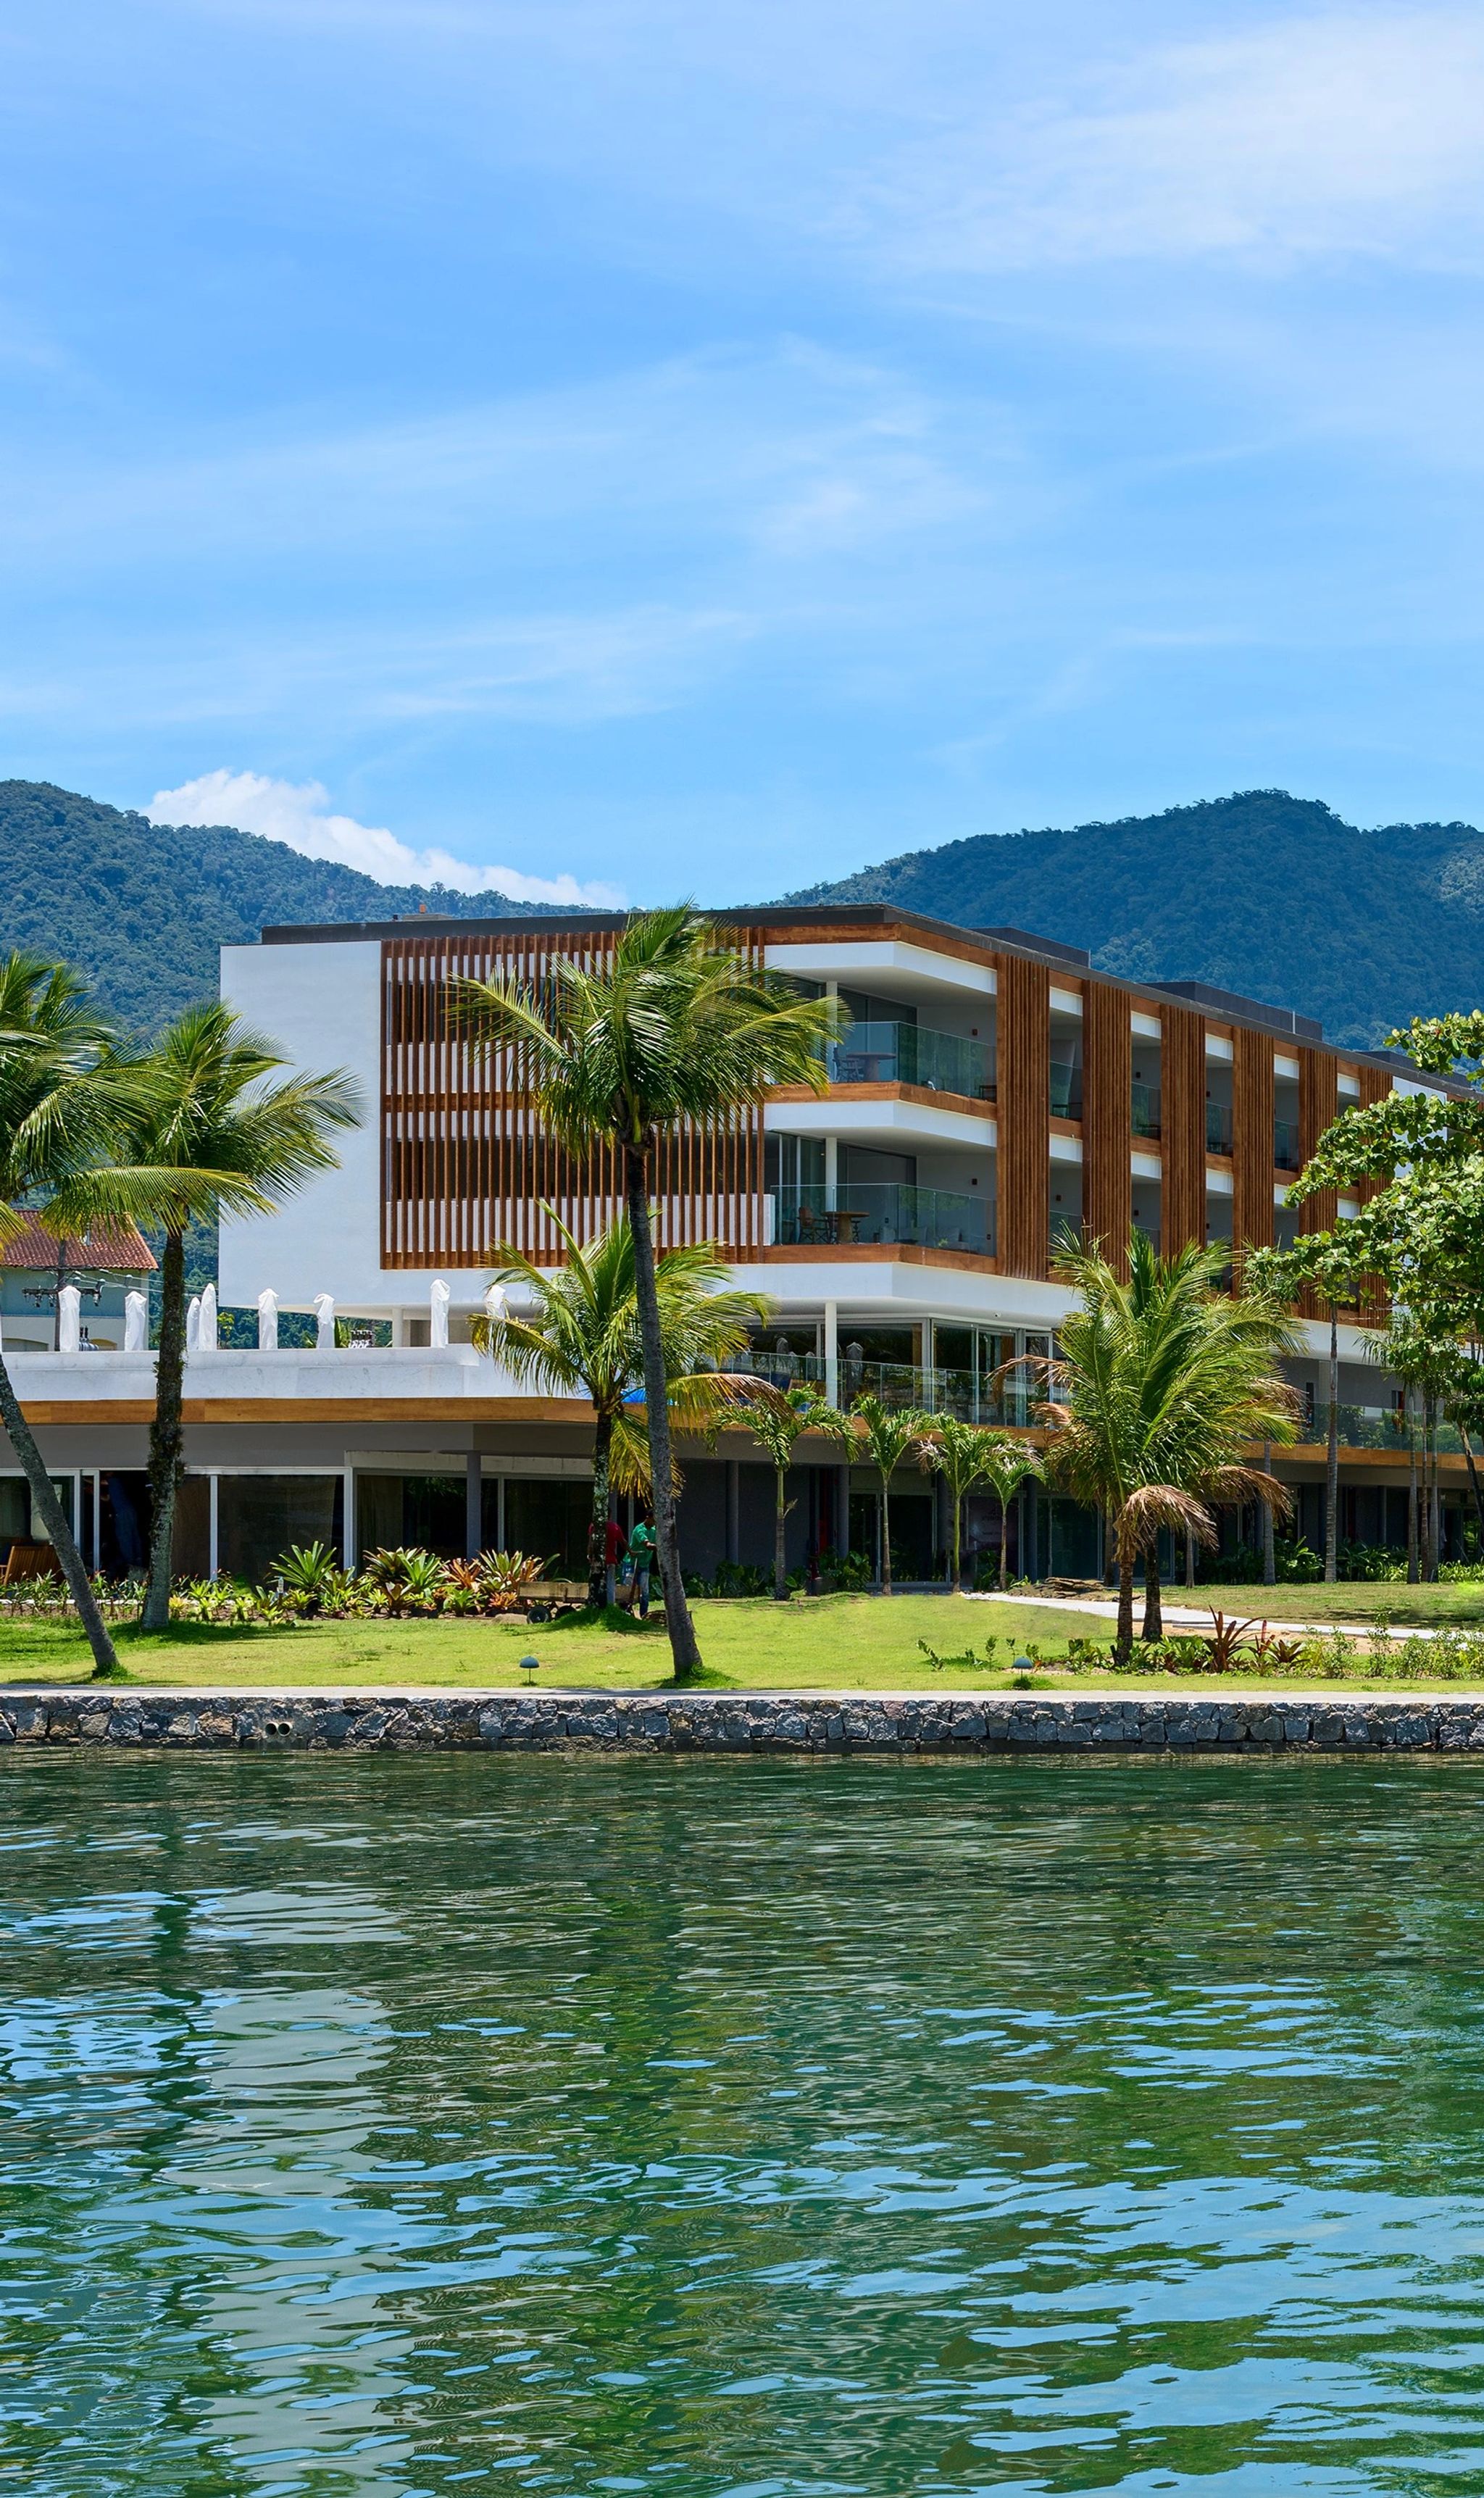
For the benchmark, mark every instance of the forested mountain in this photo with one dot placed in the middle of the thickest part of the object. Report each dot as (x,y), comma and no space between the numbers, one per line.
(1275,896)
(142,907)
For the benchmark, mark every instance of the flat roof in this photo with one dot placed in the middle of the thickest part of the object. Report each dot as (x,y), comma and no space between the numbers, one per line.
(1220,1006)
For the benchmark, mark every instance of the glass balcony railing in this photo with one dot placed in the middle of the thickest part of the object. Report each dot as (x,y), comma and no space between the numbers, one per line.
(973,1395)
(1285,1144)
(1144,1109)
(1373,1426)
(1065,1089)
(883,1212)
(904,1053)
(1219,1128)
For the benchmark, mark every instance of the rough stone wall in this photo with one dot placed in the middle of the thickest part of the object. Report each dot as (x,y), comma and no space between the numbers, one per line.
(736,1722)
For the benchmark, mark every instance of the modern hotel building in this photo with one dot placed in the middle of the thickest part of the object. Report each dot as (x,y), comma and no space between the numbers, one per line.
(992,1094)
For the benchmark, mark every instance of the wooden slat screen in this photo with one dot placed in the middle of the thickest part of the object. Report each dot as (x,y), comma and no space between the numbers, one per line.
(1318,1108)
(1024,1105)
(466,1161)
(1107,1079)
(1182,1128)
(1253,1165)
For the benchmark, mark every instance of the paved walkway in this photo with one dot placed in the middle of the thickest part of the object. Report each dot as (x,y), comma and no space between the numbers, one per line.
(1197,1618)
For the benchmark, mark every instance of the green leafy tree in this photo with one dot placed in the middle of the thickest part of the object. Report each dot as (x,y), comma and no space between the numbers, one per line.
(1160,1386)
(778,1418)
(213,1135)
(889,1435)
(1421,1235)
(674,1029)
(581,1335)
(1007,1465)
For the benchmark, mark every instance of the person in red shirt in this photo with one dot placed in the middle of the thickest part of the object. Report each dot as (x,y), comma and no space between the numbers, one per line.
(613,1555)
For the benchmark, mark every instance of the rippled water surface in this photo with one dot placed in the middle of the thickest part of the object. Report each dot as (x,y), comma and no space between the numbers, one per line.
(405,2126)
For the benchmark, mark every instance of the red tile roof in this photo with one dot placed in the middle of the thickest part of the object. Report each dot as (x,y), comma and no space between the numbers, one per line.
(111,1248)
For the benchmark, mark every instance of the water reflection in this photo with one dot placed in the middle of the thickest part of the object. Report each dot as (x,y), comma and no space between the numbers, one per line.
(405,2126)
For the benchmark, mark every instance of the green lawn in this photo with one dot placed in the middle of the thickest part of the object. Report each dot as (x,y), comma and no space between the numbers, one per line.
(827,1644)
(834,1643)
(1359,1600)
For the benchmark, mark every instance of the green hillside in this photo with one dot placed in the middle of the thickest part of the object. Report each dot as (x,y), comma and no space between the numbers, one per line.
(1275,896)
(142,907)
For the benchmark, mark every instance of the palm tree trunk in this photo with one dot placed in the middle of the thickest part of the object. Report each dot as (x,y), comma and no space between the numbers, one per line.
(685,1653)
(1125,1639)
(1412,1491)
(1154,1612)
(597,1530)
(53,1517)
(1332,1466)
(886,1538)
(166,1433)
(1430,1478)
(780,1537)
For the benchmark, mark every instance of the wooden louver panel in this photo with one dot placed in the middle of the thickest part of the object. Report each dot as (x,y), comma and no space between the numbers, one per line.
(1318,1108)
(1023,1094)
(1182,1128)
(467,1164)
(1253,1144)
(1107,1079)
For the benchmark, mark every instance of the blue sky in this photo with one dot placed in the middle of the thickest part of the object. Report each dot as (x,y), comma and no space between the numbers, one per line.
(706,445)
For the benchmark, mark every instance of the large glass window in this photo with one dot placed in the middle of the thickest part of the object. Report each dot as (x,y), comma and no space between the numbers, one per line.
(258,1518)
(427,1510)
(549,1517)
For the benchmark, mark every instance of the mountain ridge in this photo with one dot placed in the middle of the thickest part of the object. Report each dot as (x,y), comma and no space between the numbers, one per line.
(1275,897)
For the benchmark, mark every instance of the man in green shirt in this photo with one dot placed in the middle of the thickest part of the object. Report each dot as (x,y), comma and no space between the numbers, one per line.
(639,1561)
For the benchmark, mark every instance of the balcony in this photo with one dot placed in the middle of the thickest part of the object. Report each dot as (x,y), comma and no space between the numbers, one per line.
(904,1053)
(1285,1145)
(1144,1109)
(1065,1089)
(875,1214)
(1373,1426)
(969,1394)
(1219,1128)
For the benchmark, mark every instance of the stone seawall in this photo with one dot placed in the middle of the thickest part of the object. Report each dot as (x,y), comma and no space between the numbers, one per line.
(733,1722)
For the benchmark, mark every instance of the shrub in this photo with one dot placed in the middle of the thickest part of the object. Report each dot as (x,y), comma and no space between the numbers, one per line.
(407,1579)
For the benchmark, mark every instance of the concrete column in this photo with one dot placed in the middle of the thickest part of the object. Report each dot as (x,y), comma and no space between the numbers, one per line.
(831,1173)
(473,1506)
(832,1353)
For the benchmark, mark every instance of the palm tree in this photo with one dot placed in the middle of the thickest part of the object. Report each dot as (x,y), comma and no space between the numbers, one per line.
(1161,1385)
(63,1094)
(582,1336)
(674,1031)
(1007,1464)
(959,1453)
(218,1139)
(890,1433)
(777,1417)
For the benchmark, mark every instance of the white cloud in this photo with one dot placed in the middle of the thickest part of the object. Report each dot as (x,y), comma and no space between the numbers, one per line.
(1360,132)
(298,813)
